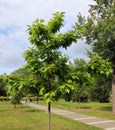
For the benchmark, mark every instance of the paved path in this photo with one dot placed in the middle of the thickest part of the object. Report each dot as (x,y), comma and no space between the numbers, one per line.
(90,120)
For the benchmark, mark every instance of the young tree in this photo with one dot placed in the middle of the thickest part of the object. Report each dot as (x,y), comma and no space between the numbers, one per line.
(19,86)
(46,61)
(29,81)
(99,31)
(14,88)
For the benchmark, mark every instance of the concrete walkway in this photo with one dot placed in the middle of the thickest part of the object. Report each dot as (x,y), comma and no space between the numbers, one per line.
(90,120)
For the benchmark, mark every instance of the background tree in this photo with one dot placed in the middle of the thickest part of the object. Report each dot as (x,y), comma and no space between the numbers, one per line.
(29,81)
(14,88)
(82,79)
(101,90)
(2,86)
(101,70)
(22,72)
(99,31)
(48,63)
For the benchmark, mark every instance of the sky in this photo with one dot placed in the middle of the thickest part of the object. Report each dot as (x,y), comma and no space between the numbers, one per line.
(15,15)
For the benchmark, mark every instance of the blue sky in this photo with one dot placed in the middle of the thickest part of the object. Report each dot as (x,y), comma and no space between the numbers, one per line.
(15,15)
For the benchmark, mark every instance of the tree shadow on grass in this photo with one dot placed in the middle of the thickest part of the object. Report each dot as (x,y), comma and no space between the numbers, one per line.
(22,106)
(85,107)
(25,108)
(106,108)
(31,110)
(4,110)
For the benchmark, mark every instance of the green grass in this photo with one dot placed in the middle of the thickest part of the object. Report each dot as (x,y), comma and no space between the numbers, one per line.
(103,110)
(26,118)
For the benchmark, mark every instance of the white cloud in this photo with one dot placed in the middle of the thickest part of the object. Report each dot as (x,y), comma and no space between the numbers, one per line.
(15,15)
(9,51)
(77,50)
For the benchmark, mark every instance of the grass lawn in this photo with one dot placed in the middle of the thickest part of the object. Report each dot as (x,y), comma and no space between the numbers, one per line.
(26,118)
(103,110)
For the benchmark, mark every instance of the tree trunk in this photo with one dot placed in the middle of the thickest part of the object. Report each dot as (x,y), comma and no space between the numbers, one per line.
(14,105)
(79,102)
(113,94)
(25,101)
(37,98)
(49,116)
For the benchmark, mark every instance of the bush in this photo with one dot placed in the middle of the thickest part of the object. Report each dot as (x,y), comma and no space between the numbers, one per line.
(84,98)
(16,99)
(101,91)
(4,98)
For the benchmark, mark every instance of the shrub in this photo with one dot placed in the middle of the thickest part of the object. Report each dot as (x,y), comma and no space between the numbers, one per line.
(16,99)
(4,98)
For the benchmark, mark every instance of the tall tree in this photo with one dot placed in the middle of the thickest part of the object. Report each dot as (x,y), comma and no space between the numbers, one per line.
(46,61)
(99,31)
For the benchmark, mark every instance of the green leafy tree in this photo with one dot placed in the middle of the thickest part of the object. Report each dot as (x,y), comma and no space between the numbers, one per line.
(82,80)
(99,31)
(31,87)
(19,86)
(101,91)
(98,66)
(46,61)
(101,70)
(14,88)
(2,86)
(29,81)
(22,72)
